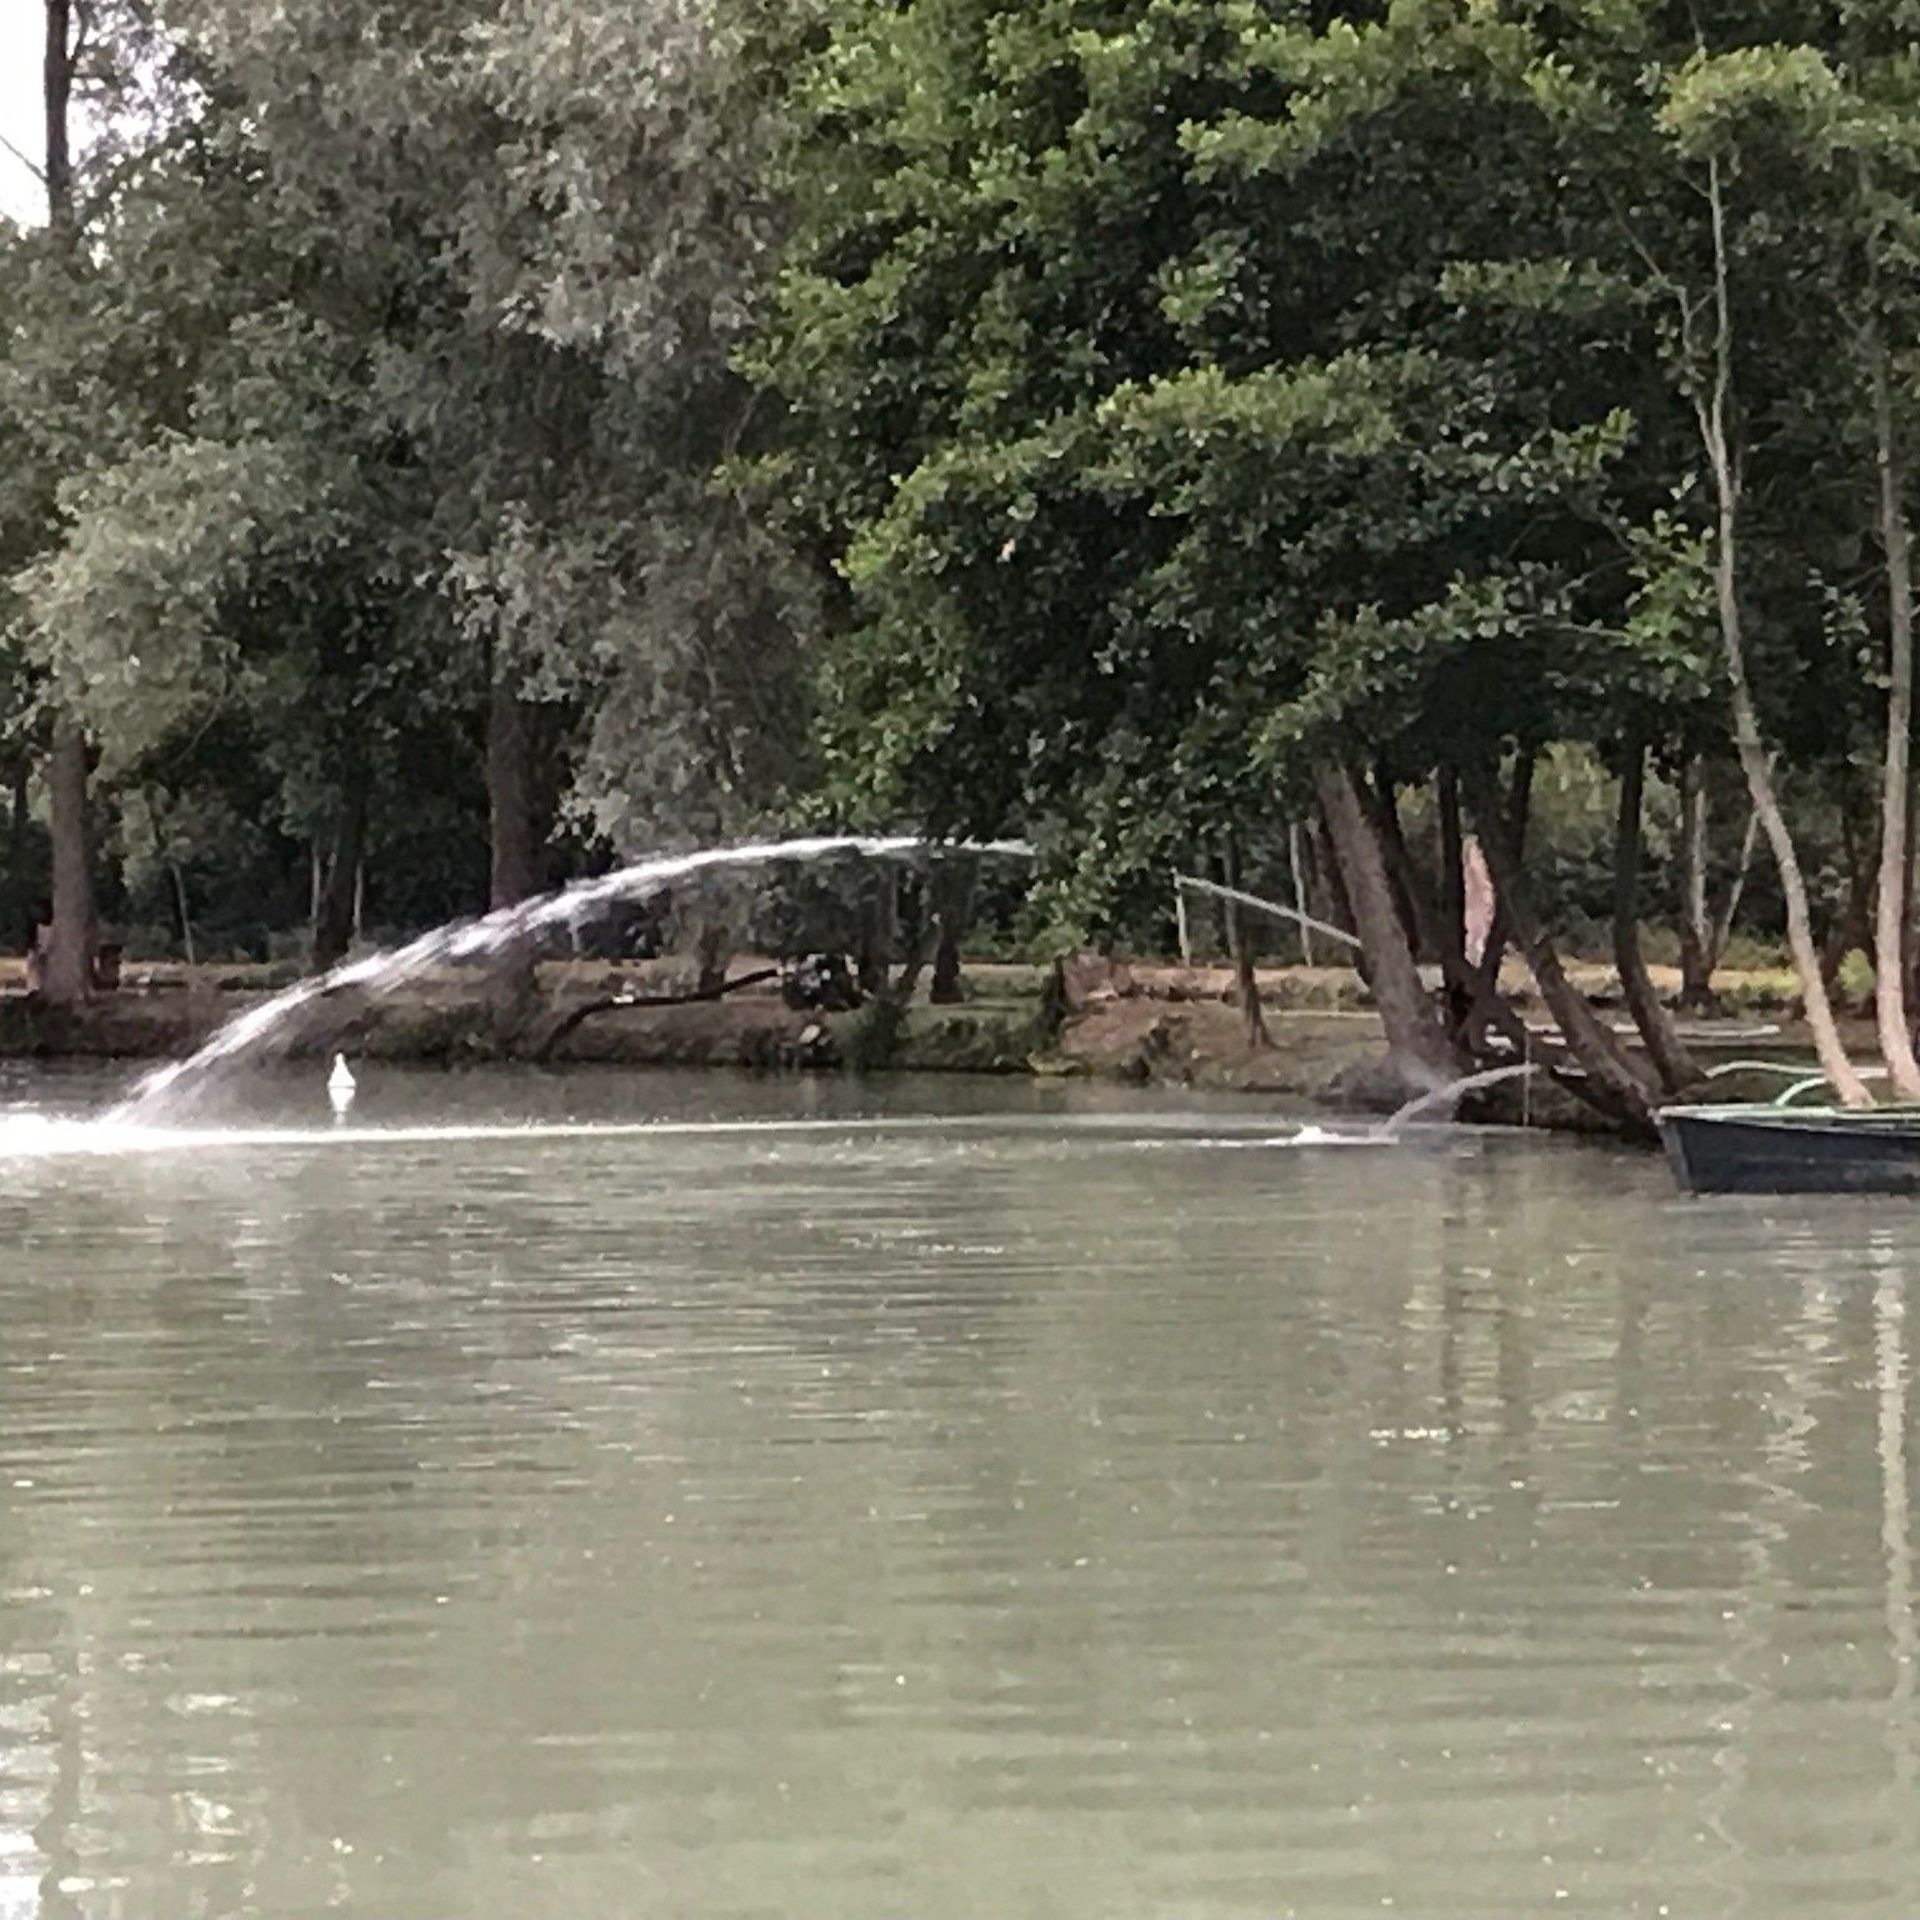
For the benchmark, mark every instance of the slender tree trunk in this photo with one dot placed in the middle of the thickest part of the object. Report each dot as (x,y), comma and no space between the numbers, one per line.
(1462,985)
(514,854)
(1339,905)
(1614,1072)
(1453,861)
(1384,806)
(1240,936)
(180,906)
(1415,1036)
(1411,895)
(1889,945)
(1487,1003)
(1296,865)
(1712,410)
(1696,928)
(1669,1056)
(1736,891)
(1703,933)
(333,926)
(69,960)
(56,97)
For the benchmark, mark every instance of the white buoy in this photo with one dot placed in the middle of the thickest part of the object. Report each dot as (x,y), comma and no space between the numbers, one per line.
(341,1085)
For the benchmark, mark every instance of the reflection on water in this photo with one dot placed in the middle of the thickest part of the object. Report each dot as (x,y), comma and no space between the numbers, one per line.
(1049,1516)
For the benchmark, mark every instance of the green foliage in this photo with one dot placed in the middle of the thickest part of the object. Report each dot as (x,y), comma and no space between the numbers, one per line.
(395,363)
(1085,418)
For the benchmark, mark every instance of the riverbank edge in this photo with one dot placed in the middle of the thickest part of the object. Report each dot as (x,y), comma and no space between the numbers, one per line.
(1152,1027)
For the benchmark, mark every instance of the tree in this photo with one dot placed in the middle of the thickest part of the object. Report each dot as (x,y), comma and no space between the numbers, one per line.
(68,977)
(1185,397)
(445,425)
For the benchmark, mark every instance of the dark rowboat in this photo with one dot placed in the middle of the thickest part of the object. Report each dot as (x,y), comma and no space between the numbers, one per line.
(1758,1149)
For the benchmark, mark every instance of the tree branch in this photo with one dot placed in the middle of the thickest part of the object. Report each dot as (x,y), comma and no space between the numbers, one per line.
(32,166)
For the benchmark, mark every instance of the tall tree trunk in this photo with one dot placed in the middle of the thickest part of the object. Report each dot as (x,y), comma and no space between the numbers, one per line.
(68,977)
(1614,1072)
(1714,433)
(16,887)
(877,930)
(514,865)
(56,99)
(713,952)
(1415,1037)
(1890,925)
(333,925)
(1664,1047)
(1240,935)
(514,854)
(950,892)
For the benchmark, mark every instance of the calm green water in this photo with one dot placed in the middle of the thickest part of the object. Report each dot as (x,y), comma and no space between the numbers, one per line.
(1092,1512)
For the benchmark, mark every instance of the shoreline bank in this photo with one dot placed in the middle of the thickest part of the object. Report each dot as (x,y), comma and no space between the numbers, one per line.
(1145,1025)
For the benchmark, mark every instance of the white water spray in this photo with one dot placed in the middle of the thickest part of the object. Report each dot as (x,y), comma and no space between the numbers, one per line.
(479,939)
(1452,1091)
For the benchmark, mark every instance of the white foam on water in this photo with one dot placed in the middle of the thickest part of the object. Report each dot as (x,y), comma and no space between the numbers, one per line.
(28,1134)
(31,1134)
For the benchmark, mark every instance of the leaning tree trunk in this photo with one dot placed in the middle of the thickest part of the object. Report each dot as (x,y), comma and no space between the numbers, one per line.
(1612,1070)
(1712,413)
(1662,1039)
(1890,924)
(333,925)
(514,862)
(1378,796)
(1415,1038)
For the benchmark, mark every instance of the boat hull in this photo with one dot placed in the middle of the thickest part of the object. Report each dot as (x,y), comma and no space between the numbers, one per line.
(1762,1150)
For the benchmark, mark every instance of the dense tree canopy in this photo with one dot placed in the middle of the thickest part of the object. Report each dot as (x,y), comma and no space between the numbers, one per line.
(525,430)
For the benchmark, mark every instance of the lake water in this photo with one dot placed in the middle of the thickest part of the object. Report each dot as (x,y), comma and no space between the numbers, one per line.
(1086,1509)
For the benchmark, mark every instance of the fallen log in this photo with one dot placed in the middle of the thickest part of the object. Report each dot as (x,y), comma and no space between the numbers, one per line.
(575,1017)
